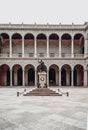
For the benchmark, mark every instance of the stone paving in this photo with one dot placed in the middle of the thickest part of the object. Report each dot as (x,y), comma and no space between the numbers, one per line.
(43,112)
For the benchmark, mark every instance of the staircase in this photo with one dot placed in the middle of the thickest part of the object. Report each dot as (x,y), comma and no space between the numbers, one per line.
(42,92)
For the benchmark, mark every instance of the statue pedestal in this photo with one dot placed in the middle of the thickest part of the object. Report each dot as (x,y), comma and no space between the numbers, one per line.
(42,79)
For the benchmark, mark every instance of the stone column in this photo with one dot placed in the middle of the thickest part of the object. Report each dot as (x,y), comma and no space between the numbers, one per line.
(85,77)
(22,46)
(35,77)
(72,78)
(23,78)
(72,48)
(59,77)
(35,47)
(60,47)
(47,77)
(10,46)
(85,48)
(10,77)
(47,47)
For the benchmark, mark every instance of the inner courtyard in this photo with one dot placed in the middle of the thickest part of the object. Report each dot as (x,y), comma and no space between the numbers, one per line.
(44,112)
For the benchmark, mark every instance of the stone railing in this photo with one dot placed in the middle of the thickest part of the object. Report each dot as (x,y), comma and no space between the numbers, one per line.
(78,55)
(63,55)
(6,55)
(51,55)
(18,55)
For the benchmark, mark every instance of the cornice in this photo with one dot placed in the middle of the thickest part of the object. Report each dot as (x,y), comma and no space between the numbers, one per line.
(70,27)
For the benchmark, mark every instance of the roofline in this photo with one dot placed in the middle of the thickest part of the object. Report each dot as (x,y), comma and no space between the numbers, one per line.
(47,26)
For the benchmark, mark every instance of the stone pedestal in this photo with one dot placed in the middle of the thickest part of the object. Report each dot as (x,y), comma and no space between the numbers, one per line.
(42,79)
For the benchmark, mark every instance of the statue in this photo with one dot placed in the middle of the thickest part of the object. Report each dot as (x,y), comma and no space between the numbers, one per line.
(42,80)
(42,66)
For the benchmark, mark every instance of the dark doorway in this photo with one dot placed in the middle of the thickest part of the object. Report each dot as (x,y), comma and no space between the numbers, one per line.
(19,73)
(8,77)
(63,77)
(12,77)
(31,77)
(52,77)
(75,77)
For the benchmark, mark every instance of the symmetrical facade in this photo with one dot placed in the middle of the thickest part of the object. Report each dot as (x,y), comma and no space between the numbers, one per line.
(63,48)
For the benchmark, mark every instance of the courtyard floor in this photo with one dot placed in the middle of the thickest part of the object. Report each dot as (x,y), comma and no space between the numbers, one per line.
(43,112)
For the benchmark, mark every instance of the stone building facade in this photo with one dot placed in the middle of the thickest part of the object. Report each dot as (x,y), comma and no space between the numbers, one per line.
(63,49)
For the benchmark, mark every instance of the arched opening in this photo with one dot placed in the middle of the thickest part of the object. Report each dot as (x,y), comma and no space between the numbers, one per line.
(66,75)
(78,75)
(41,45)
(19,73)
(63,77)
(53,45)
(4,44)
(17,77)
(66,45)
(17,45)
(8,77)
(53,75)
(29,45)
(29,75)
(78,44)
(4,75)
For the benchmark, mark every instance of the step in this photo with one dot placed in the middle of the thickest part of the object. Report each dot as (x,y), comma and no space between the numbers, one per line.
(42,92)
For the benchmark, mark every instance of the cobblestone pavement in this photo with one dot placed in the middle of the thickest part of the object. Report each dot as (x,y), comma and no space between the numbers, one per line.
(43,112)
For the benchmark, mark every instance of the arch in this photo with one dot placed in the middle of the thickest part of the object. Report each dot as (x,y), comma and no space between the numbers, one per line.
(17,73)
(29,75)
(66,75)
(78,43)
(4,75)
(66,44)
(53,75)
(78,75)
(4,44)
(29,44)
(41,36)
(53,44)
(16,36)
(41,45)
(66,36)
(53,36)
(17,45)
(29,36)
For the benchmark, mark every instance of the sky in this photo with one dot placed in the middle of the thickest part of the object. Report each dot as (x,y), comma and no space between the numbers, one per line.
(44,11)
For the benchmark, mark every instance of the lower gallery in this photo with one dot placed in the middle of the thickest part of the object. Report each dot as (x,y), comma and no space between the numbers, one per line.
(62,48)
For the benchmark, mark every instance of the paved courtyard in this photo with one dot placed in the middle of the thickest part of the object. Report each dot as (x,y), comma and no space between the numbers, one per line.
(43,113)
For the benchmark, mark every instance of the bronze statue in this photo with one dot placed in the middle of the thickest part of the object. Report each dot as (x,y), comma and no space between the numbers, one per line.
(42,66)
